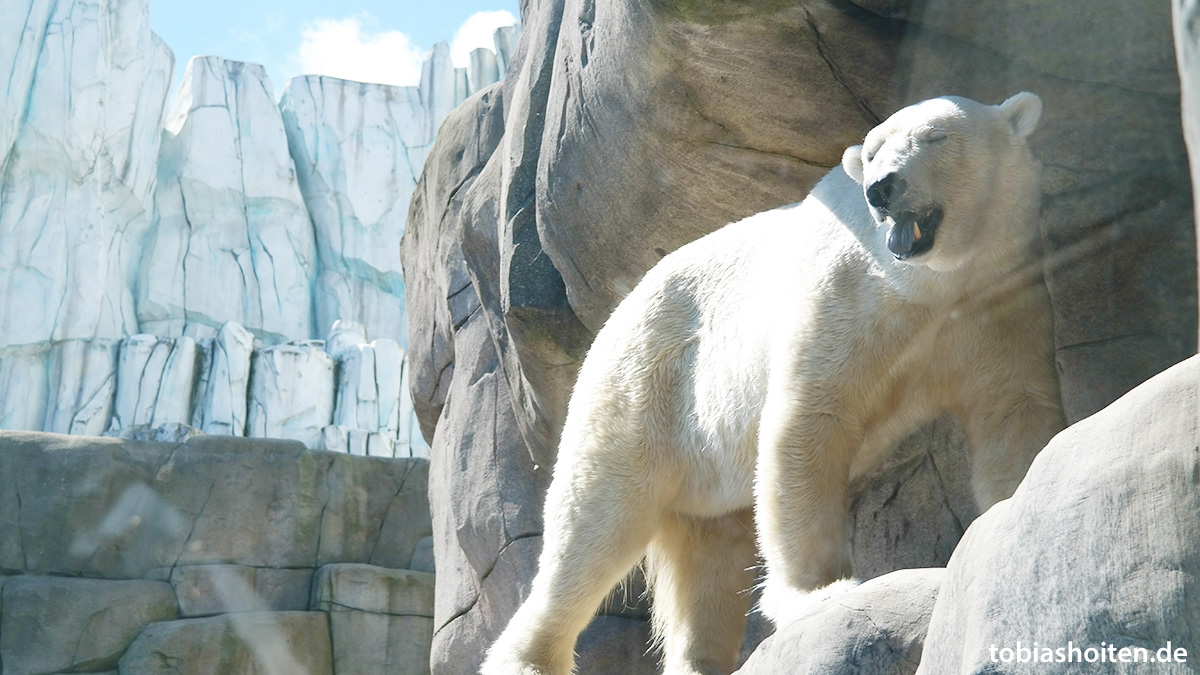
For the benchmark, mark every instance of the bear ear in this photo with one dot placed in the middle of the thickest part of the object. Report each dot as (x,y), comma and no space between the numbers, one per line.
(1022,112)
(852,163)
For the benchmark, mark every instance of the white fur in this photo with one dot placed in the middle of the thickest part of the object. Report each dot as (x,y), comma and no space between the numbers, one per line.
(752,374)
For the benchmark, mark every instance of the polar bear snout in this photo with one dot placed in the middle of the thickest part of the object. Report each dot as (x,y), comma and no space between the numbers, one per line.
(882,192)
(911,233)
(911,229)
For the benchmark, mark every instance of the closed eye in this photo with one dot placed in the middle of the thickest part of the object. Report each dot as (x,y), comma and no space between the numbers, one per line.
(934,136)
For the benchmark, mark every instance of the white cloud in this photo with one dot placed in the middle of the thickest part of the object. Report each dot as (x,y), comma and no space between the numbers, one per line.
(477,32)
(349,49)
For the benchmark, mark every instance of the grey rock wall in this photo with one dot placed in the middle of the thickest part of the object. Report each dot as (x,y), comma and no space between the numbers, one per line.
(52,624)
(381,620)
(268,643)
(1186,15)
(214,555)
(626,129)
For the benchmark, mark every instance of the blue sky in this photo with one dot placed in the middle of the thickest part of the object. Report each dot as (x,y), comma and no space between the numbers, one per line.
(369,40)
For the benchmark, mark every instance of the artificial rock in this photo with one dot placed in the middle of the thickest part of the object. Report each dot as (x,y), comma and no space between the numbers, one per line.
(41,616)
(78,169)
(624,130)
(223,380)
(231,238)
(77,176)
(381,620)
(877,628)
(223,218)
(291,392)
(358,149)
(258,643)
(1100,543)
(106,508)
(207,590)
(155,378)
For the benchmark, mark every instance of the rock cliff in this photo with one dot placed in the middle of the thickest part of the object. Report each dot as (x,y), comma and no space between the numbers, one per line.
(623,130)
(155,256)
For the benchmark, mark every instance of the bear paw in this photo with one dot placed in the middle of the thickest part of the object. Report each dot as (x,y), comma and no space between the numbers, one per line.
(513,654)
(785,605)
(505,664)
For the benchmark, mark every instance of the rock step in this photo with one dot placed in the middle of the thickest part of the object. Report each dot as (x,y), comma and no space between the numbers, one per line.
(381,620)
(259,643)
(108,508)
(50,624)
(214,555)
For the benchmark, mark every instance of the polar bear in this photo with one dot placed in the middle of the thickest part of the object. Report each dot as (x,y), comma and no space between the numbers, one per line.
(752,374)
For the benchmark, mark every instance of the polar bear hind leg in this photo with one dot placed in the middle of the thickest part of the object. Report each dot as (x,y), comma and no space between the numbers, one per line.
(599,520)
(700,571)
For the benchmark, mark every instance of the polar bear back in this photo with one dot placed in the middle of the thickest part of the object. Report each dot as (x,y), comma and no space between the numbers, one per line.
(700,329)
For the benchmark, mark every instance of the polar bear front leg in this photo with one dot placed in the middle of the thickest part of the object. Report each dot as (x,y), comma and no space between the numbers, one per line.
(802,501)
(1012,408)
(1005,431)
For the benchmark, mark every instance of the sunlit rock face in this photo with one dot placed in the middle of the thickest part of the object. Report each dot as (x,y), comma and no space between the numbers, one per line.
(157,377)
(232,238)
(153,249)
(80,122)
(358,149)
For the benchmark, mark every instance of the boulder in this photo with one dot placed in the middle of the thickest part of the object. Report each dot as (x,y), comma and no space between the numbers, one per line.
(877,628)
(261,643)
(912,511)
(381,620)
(50,624)
(1099,546)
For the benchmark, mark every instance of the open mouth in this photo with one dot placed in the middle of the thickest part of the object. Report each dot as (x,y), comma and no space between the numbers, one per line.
(911,233)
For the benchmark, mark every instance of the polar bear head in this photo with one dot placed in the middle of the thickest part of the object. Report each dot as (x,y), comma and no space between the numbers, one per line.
(948,176)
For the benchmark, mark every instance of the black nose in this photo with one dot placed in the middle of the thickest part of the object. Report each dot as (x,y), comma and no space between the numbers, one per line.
(882,192)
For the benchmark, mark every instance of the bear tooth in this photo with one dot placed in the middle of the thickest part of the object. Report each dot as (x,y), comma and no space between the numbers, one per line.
(916,232)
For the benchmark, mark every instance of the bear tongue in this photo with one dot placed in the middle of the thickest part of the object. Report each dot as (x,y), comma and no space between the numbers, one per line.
(901,236)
